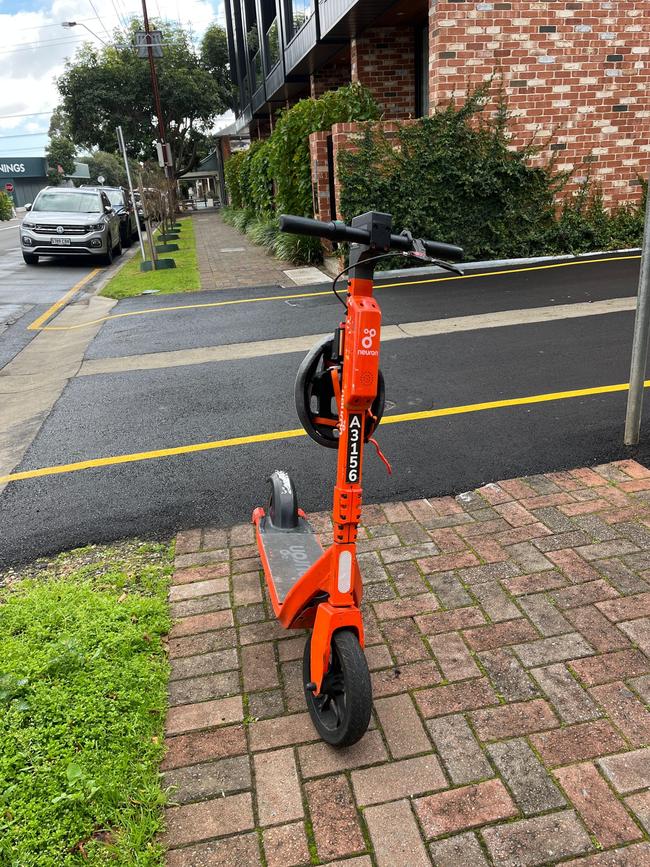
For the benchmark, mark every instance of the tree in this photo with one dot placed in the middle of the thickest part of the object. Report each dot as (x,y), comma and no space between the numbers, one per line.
(60,155)
(216,59)
(111,86)
(110,167)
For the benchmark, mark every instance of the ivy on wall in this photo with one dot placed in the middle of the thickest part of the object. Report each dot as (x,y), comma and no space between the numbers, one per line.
(274,176)
(453,177)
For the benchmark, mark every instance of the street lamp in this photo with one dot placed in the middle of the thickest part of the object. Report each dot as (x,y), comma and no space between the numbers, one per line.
(70,24)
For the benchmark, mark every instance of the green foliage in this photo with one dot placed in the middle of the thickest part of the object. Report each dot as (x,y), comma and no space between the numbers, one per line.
(584,223)
(289,144)
(263,231)
(60,154)
(215,58)
(103,88)
(299,249)
(109,166)
(232,170)
(453,177)
(6,206)
(82,703)
(274,175)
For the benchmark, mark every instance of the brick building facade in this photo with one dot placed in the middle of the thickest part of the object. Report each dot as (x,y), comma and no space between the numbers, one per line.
(576,74)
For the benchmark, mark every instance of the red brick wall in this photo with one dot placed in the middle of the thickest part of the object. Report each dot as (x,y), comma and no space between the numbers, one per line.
(336,74)
(320,175)
(383,59)
(577,71)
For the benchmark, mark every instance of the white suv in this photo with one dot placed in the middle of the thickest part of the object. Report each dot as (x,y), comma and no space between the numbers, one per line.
(65,221)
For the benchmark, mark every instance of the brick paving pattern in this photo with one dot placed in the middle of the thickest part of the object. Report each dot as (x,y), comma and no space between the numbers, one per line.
(508,635)
(227,259)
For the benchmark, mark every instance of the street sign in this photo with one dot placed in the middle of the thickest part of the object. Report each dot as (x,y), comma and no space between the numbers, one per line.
(164,152)
(143,40)
(9,188)
(101,178)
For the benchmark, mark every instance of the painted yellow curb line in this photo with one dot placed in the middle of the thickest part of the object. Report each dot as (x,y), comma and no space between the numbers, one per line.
(299,432)
(198,306)
(37,323)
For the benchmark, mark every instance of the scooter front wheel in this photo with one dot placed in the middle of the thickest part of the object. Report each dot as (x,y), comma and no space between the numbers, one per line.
(341,711)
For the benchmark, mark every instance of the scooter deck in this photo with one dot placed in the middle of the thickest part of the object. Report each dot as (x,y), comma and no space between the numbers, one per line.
(289,553)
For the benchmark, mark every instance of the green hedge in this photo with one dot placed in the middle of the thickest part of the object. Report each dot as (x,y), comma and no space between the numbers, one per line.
(6,206)
(274,175)
(453,177)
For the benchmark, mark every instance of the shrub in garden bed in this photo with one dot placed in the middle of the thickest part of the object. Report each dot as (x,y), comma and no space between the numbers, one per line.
(274,175)
(453,177)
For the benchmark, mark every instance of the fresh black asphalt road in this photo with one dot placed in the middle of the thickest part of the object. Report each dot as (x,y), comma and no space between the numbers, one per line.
(141,410)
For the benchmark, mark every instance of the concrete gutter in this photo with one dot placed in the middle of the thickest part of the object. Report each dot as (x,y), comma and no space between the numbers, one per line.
(432,270)
(330,266)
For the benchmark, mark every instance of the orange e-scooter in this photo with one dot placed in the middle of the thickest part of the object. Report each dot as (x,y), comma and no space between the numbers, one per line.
(340,400)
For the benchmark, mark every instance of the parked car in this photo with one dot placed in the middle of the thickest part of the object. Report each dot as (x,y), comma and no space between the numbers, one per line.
(140,206)
(119,199)
(66,221)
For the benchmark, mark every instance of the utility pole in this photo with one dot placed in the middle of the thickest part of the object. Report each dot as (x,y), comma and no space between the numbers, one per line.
(154,82)
(640,342)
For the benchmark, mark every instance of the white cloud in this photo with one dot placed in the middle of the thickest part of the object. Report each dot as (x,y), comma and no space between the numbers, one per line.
(40,46)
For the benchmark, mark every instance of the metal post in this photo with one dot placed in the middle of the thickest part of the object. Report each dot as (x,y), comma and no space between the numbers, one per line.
(154,79)
(154,257)
(120,141)
(640,342)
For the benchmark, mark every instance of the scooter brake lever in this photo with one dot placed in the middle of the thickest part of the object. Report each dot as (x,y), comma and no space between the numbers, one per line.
(447,266)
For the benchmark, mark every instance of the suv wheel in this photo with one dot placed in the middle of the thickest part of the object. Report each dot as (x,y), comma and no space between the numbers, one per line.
(118,247)
(126,236)
(30,258)
(108,256)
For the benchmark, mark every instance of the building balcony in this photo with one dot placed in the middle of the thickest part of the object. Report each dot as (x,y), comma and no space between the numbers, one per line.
(332,11)
(301,44)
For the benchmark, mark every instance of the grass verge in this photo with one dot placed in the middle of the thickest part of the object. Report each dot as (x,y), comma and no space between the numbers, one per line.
(83,677)
(130,280)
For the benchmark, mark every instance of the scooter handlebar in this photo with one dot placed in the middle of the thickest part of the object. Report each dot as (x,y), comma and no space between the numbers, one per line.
(335,230)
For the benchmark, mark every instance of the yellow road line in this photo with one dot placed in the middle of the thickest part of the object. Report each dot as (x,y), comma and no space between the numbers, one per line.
(516,270)
(444,279)
(298,432)
(185,307)
(37,323)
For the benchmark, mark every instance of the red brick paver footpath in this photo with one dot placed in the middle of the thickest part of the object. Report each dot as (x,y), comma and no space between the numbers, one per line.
(228,259)
(508,634)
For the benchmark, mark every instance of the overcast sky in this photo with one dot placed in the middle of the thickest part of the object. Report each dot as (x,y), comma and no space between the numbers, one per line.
(34,49)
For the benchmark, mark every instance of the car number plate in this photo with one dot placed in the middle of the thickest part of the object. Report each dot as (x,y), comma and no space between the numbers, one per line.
(61,242)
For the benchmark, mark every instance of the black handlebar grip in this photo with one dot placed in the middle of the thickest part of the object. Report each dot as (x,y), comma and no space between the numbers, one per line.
(304,226)
(336,231)
(438,250)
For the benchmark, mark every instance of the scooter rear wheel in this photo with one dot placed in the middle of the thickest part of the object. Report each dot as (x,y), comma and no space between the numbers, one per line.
(341,712)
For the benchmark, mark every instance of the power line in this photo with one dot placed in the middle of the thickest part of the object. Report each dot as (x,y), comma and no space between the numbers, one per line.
(27,114)
(52,45)
(98,16)
(25,134)
(56,24)
(43,42)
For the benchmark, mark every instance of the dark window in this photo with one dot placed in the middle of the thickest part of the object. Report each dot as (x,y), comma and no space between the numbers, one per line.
(422,71)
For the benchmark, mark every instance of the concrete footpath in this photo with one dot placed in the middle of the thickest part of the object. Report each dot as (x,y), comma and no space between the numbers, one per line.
(508,634)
